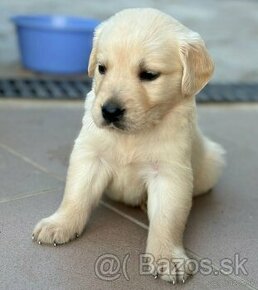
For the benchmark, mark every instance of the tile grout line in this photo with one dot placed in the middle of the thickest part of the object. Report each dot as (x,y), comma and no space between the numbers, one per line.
(110,207)
(126,216)
(28,160)
(36,193)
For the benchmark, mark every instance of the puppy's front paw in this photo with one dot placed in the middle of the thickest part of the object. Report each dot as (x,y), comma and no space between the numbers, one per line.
(174,267)
(56,229)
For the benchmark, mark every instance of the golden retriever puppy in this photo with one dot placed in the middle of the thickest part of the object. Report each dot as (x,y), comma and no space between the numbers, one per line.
(140,135)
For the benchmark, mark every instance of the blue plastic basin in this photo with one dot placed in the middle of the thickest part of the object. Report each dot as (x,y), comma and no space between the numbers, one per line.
(55,44)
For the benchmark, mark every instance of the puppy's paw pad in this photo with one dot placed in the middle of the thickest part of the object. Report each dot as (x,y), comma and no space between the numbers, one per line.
(53,231)
(179,270)
(175,268)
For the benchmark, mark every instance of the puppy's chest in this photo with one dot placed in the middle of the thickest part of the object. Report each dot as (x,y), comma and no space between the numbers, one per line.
(131,170)
(127,154)
(135,162)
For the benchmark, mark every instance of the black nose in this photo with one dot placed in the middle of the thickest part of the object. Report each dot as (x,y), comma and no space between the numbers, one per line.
(112,112)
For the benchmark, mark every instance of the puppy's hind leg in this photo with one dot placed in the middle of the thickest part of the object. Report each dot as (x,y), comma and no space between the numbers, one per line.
(210,167)
(87,178)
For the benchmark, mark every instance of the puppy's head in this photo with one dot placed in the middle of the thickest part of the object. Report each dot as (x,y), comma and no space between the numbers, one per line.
(144,62)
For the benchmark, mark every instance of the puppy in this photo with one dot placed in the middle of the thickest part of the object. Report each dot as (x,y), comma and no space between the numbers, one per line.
(140,135)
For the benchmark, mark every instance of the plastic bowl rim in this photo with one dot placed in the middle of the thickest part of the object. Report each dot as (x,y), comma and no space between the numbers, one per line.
(17,20)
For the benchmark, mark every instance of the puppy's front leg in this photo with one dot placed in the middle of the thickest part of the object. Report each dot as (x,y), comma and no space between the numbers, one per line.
(87,178)
(169,203)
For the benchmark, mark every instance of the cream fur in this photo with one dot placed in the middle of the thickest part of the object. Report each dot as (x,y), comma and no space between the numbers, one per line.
(161,150)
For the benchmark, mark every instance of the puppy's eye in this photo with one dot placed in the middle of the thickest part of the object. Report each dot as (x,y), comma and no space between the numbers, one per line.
(102,69)
(148,75)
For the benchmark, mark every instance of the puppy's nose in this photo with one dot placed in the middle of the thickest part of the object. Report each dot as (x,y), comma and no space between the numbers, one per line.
(112,111)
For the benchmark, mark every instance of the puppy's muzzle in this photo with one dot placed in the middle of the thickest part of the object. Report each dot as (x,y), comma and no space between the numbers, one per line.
(112,112)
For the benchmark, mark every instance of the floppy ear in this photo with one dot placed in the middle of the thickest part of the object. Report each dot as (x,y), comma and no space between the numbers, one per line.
(93,55)
(197,64)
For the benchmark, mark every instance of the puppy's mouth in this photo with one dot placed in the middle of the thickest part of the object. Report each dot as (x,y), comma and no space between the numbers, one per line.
(114,126)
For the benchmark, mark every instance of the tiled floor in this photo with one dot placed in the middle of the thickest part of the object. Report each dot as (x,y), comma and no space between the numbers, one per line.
(35,141)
